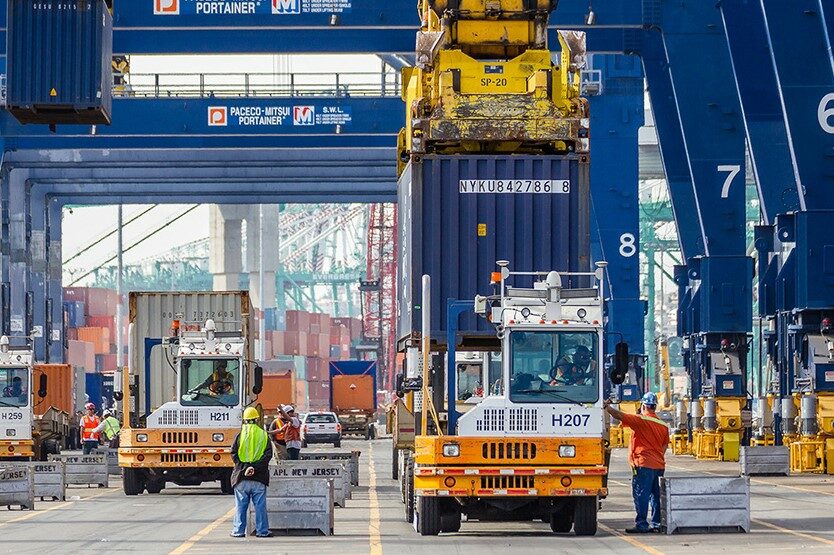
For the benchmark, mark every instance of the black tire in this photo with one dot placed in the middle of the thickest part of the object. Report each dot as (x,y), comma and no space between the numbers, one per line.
(337,444)
(155,486)
(585,516)
(428,516)
(409,489)
(226,483)
(133,481)
(450,521)
(561,522)
(395,464)
(304,444)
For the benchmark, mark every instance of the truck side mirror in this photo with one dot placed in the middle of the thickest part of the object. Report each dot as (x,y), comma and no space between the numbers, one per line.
(42,386)
(118,395)
(259,381)
(620,370)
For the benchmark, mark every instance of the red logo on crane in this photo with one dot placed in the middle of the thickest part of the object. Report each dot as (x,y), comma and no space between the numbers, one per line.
(166,7)
(218,116)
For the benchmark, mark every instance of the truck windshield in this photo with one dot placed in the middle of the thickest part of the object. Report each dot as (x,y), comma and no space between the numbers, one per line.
(15,385)
(209,382)
(554,367)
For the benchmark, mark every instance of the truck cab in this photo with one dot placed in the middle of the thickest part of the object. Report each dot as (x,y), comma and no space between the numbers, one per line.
(16,418)
(188,440)
(536,449)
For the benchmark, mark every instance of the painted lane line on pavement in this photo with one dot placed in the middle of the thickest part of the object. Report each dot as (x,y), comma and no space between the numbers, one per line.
(805,535)
(188,544)
(640,545)
(374,521)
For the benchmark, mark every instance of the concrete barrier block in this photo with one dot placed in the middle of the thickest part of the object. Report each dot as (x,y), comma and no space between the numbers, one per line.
(50,480)
(17,486)
(112,455)
(84,470)
(351,457)
(705,504)
(298,505)
(325,469)
(765,461)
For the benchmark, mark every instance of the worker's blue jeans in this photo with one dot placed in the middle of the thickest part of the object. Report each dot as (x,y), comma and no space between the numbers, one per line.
(645,487)
(245,491)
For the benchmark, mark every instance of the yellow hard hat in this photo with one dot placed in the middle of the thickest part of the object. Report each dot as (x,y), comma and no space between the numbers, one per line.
(251,413)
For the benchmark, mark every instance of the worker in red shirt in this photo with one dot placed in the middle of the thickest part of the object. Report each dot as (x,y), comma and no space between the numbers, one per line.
(646,455)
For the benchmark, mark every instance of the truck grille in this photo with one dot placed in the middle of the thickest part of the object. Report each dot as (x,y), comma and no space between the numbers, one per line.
(524,420)
(179,418)
(178,458)
(509,450)
(492,421)
(181,438)
(507,482)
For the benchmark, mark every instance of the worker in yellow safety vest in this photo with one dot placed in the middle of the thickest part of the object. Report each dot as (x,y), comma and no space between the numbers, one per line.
(110,428)
(251,452)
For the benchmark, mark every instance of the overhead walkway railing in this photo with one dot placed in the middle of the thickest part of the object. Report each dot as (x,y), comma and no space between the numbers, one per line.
(246,85)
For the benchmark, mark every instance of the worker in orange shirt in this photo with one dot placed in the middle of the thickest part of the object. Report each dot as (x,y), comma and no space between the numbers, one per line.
(90,438)
(646,455)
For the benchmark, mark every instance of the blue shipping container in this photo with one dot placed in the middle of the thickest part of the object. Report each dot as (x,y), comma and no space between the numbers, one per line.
(59,61)
(458,215)
(75,315)
(93,388)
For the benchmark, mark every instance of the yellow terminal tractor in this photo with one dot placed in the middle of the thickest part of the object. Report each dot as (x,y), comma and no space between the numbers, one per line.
(537,449)
(187,383)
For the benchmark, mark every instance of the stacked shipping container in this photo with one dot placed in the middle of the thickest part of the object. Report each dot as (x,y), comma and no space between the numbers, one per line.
(90,322)
(305,346)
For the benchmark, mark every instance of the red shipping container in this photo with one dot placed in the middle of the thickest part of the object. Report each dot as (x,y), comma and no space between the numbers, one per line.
(325,322)
(318,391)
(278,344)
(109,363)
(301,400)
(108,322)
(336,333)
(312,345)
(100,302)
(75,294)
(60,387)
(298,320)
(72,334)
(318,369)
(324,346)
(295,343)
(99,337)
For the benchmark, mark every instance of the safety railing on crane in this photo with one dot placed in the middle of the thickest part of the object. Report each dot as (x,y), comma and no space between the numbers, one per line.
(243,85)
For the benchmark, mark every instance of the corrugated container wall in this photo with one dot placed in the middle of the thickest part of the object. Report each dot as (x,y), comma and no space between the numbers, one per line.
(60,388)
(151,315)
(352,385)
(59,61)
(457,217)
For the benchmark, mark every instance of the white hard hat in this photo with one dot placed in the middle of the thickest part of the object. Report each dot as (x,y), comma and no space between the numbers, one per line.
(287,408)
(107,412)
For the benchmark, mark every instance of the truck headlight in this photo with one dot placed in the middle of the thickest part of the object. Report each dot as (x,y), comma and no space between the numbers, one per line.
(11,432)
(567,451)
(451,450)
(143,438)
(217,437)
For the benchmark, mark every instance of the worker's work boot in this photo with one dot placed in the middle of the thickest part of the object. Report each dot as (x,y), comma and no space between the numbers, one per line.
(636,530)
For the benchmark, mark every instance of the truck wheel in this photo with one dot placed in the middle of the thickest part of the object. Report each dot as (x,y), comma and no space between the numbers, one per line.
(428,516)
(304,444)
(395,463)
(52,447)
(226,483)
(133,481)
(409,489)
(372,432)
(585,516)
(337,443)
(561,522)
(450,521)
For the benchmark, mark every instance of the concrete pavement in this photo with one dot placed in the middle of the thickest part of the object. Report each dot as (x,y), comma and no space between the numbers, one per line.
(789,514)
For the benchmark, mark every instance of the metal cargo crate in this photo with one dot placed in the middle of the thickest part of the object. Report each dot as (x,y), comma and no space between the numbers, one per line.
(59,61)
(459,214)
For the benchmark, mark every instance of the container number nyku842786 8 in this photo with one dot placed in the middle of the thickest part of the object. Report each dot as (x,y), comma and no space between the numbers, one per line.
(535,186)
